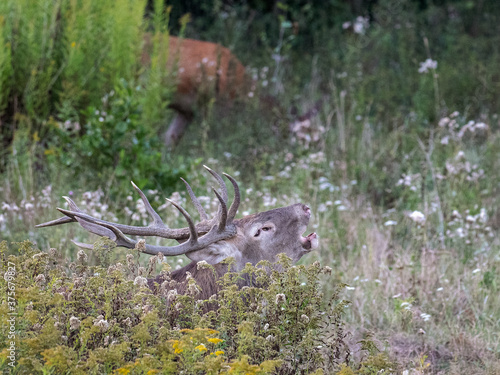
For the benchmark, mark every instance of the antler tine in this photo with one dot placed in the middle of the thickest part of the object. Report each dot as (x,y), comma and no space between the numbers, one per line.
(220,181)
(89,223)
(196,202)
(61,220)
(83,245)
(121,239)
(223,216)
(193,235)
(237,198)
(72,204)
(157,221)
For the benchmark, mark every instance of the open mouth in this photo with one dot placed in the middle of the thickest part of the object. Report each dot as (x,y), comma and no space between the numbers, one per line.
(310,242)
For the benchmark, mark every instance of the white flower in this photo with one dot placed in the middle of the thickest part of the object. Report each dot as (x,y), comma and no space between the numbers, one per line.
(102,324)
(360,25)
(280,298)
(390,223)
(427,65)
(483,216)
(460,155)
(418,217)
(141,281)
(425,316)
(202,264)
(74,323)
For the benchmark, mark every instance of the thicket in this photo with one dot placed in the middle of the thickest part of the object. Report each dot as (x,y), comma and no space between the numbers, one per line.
(76,318)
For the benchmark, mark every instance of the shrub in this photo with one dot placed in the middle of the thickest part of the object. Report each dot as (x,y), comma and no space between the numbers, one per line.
(114,144)
(104,318)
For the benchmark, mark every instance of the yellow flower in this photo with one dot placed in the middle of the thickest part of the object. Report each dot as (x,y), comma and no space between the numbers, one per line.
(201,348)
(122,371)
(175,345)
(73,44)
(219,352)
(215,340)
(50,151)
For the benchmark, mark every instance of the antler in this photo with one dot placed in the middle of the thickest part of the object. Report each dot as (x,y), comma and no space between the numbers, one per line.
(196,237)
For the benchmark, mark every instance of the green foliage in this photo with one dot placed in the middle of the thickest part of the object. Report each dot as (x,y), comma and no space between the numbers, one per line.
(114,144)
(104,319)
(66,53)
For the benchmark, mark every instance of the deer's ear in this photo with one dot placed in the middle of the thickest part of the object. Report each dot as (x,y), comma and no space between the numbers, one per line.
(215,253)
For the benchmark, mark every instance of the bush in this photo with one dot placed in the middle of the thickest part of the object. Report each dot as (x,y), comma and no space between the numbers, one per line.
(104,318)
(114,144)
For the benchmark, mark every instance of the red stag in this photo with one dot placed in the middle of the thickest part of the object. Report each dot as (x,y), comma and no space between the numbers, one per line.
(252,238)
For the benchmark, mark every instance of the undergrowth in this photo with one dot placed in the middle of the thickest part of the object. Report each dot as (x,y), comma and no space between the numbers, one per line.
(82,319)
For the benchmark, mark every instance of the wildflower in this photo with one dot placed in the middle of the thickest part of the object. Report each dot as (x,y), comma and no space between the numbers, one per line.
(202,264)
(176,347)
(140,281)
(406,305)
(304,318)
(102,324)
(327,270)
(81,256)
(40,279)
(427,65)
(425,317)
(74,323)
(390,223)
(460,155)
(215,340)
(418,217)
(476,270)
(201,348)
(141,245)
(219,352)
(360,25)
(443,122)
(280,298)
(483,216)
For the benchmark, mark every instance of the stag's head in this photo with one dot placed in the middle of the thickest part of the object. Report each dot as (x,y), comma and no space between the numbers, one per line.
(250,239)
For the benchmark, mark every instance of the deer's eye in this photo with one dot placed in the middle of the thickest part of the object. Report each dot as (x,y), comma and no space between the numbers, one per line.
(265,229)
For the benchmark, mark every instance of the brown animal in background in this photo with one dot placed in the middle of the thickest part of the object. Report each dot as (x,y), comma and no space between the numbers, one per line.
(253,238)
(204,70)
